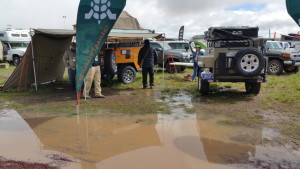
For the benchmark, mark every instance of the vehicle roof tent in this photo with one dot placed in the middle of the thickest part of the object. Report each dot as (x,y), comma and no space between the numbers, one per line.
(47,48)
(231,33)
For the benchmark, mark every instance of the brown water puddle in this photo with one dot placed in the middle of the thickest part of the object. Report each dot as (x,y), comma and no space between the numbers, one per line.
(169,141)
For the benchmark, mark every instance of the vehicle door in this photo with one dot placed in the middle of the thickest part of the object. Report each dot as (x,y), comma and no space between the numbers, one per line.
(159,51)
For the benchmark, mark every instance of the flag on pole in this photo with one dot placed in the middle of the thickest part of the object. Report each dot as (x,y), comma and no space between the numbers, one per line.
(181,32)
(95,19)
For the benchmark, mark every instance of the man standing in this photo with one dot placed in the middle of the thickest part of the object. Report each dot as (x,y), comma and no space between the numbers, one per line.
(93,74)
(195,61)
(147,59)
(70,62)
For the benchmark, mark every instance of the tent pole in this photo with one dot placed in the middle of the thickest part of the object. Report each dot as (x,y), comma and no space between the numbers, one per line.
(164,61)
(34,71)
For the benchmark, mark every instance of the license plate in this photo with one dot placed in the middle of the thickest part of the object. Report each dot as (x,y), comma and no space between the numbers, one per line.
(206,76)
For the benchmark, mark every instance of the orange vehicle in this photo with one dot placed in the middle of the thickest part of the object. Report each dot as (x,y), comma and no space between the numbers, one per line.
(121,59)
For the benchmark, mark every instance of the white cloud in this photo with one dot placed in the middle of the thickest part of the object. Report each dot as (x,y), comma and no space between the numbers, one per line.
(161,15)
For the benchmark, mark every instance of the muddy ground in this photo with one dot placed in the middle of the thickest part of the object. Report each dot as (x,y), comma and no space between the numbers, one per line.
(173,126)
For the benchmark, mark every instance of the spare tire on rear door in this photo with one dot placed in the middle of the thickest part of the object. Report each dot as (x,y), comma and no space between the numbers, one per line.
(110,65)
(249,62)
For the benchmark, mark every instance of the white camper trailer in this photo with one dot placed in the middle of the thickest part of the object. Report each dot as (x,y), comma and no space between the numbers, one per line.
(14,43)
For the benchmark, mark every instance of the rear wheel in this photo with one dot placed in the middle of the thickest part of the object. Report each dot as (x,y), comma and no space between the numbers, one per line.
(203,86)
(275,67)
(252,88)
(127,75)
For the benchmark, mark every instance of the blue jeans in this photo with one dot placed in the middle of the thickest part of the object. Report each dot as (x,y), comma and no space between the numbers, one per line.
(196,69)
(72,76)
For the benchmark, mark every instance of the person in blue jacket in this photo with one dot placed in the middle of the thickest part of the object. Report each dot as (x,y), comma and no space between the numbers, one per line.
(195,61)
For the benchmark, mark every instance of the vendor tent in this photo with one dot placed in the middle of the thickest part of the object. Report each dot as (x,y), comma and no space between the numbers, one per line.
(45,52)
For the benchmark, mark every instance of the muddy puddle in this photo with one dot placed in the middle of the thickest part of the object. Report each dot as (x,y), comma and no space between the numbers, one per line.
(180,140)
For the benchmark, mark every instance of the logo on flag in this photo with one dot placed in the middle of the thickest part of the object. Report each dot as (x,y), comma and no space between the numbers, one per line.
(100,11)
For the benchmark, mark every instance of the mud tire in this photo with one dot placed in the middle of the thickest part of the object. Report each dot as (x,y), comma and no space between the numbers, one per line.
(127,75)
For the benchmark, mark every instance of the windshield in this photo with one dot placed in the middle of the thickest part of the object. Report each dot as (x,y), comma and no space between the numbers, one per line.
(18,45)
(273,45)
(178,45)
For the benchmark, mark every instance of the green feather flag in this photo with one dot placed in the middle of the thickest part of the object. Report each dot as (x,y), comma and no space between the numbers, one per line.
(293,8)
(95,20)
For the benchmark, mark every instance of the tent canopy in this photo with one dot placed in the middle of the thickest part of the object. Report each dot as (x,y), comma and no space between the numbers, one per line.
(48,50)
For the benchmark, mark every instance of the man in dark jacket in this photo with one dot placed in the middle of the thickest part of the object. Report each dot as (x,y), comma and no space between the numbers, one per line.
(147,59)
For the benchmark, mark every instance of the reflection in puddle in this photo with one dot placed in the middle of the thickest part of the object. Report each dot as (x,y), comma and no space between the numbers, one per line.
(176,141)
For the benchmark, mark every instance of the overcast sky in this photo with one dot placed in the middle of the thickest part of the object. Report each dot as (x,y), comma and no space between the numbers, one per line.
(165,16)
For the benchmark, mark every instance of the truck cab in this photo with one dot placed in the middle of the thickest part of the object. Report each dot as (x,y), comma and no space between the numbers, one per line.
(14,43)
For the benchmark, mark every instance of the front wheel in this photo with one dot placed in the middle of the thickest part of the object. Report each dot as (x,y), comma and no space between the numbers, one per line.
(127,75)
(16,60)
(275,67)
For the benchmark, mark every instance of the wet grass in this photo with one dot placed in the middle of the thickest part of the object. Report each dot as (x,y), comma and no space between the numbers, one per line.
(285,89)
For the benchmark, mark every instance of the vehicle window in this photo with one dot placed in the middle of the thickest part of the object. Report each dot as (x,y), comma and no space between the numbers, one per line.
(273,45)
(15,35)
(1,34)
(178,45)
(155,46)
(24,35)
(18,45)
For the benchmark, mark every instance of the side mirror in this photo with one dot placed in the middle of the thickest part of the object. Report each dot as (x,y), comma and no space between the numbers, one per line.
(159,49)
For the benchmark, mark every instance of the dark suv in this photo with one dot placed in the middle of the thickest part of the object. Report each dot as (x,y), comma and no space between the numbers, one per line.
(281,57)
(172,51)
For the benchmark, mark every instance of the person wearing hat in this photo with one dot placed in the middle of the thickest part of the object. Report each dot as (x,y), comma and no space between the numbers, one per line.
(69,60)
(195,61)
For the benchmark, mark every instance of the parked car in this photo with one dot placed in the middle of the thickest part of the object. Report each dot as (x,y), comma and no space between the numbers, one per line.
(15,43)
(281,57)
(172,51)
(232,56)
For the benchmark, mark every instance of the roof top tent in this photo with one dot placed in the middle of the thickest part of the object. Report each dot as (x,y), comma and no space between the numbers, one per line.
(15,36)
(293,8)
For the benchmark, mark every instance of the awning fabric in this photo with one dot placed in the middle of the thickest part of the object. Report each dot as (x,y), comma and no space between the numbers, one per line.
(49,47)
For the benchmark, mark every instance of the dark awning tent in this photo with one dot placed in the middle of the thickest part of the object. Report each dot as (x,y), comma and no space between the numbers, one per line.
(47,48)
